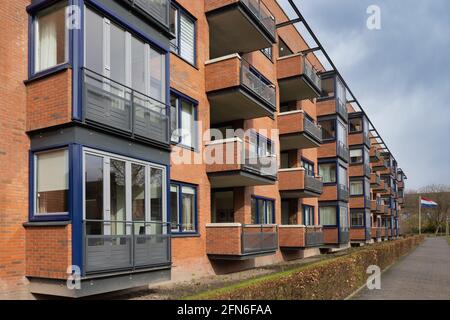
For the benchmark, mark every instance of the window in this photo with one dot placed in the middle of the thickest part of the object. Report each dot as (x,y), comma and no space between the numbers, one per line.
(268,52)
(356,188)
(342,133)
(328,216)
(288,212)
(328,172)
(356,156)
(222,203)
(343,176)
(343,217)
(283,49)
(288,106)
(182,120)
(51,183)
(263,211)
(355,125)
(308,215)
(114,53)
(260,146)
(183,205)
(51,37)
(357,218)
(328,129)
(110,209)
(284,162)
(309,167)
(183,27)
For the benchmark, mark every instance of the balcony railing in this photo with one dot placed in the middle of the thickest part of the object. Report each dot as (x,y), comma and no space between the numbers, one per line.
(367,170)
(343,151)
(130,245)
(259,238)
(256,84)
(314,236)
(344,235)
(309,71)
(120,108)
(343,192)
(312,128)
(262,13)
(158,9)
(262,165)
(341,109)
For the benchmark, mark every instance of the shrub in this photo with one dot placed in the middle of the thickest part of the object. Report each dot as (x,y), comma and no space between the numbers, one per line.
(330,279)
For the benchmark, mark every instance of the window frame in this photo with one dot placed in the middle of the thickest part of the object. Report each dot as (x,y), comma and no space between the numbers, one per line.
(336,181)
(266,202)
(33,11)
(312,212)
(180,186)
(336,210)
(349,125)
(179,98)
(362,161)
(309,163)
(177,51)
(362,188)
(334,121)
(57,216)
(362,214)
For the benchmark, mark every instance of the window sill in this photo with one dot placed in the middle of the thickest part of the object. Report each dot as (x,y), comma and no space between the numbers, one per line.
(185,235)
(193,149)
(37,224)
(47,73)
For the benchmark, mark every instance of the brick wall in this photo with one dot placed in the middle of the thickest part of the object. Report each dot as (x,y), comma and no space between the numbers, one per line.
(14,146)
(292,237)
(49,101)
(48,251)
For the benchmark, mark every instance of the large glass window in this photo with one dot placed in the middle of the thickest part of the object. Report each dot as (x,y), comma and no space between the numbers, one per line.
(51,37)
(222,203)
(138,197)
(343,176)
(183,208)
(343,217)
(308,215)
(356,156)
(309,167)
(283,49)
(328,172)
(356,188)
(328,216)
(342,133)
(328,129)
(116,54)
(263,211)
(183,26)
(182,118)
(52,182)
(118,196)
(94,193)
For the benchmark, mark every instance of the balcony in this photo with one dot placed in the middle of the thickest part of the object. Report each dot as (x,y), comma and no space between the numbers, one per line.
(231,166)
(239,26)
(359,202)
(297,79)
(118,108)
(156,9)
(376,233)
(375,155)
(132,251)
(381,188)
(376,206)
(359,235)
(358,139)
(295,237)
(235,241)
(236,91)
(343,151)
(375,180)
(332,106)
(380,165)
(297,131)
(295,183)
(360,170)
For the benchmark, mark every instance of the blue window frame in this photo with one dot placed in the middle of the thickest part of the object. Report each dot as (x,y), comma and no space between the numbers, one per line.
(184,26)
(263,210)
(308,215)
(183,120)
(260,146)
(357,218)
(329,129)
(183,208)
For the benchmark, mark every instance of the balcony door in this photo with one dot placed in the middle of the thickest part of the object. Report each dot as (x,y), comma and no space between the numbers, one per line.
(123,196)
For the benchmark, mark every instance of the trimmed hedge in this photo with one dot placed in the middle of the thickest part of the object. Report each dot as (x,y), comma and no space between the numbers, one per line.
(329,279)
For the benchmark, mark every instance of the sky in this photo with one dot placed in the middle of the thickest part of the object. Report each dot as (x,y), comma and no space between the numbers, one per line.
(400,74)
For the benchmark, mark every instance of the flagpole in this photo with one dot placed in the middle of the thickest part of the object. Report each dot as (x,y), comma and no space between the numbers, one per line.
(420,213)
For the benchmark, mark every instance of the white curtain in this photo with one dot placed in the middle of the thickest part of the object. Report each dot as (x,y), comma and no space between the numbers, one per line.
(356,188)
(46,53)
(327,216)
(328,173)
(188,208)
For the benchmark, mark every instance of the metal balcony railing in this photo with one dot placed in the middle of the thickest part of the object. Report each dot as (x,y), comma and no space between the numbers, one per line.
(314,237)
(259,238)
(309,71)
(367,170)
(343,192)
(262,13)
(158,9)
(254,82)
(111,104)
(313,184)
(115,245)
(312,128)
(343,151)
(344,235)
(341,109)
(262,165)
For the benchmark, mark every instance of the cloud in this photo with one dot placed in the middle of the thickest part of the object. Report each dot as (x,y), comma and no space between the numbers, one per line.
(399,74)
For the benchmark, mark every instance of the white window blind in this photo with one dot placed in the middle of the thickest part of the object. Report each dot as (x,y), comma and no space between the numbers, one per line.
(187,39)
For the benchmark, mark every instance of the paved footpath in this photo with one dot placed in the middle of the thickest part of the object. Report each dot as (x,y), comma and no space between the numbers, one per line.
(423,274)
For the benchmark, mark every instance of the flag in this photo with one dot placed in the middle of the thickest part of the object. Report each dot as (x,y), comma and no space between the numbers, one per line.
(427,203)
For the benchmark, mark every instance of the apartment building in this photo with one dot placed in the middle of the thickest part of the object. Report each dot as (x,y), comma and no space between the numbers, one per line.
(110,110)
